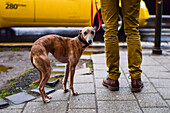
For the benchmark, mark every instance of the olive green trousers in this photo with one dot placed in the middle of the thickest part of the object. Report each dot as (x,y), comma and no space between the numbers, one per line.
(130,11)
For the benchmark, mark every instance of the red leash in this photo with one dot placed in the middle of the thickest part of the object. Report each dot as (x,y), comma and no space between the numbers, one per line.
(97,15)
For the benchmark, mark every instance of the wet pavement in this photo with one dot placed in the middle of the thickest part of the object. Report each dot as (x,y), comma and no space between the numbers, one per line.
(95,98)
(13,64)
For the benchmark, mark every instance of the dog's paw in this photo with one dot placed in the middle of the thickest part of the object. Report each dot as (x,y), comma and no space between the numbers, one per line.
(66,90)
(76,93)
(49,97)
(46,101)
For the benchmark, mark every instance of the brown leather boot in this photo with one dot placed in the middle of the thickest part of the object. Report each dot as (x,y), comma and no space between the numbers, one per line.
(136,85)
(112,85)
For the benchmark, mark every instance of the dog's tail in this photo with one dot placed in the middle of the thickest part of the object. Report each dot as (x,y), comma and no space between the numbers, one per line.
(37,81)
(32,62)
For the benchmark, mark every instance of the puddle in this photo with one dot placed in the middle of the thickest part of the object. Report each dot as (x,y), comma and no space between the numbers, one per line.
(88,53)
(52,79)
(56,73)
(4,68)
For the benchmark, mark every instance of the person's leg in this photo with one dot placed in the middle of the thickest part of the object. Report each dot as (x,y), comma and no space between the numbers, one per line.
(130,11)
(110,11)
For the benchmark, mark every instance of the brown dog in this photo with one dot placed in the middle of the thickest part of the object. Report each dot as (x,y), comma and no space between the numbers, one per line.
(65,50)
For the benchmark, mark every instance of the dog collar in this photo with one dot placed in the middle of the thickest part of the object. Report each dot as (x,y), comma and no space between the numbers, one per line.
(84,42)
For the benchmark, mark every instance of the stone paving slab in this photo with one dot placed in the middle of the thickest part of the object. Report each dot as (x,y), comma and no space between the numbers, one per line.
(150,100)
(13,109)
(82,101)
(158,75)
(121,95)
(19,106)
(148,61)
(85,57)
(156,110)
(84,88)
(118,107)
(58,95)
(153,68)
(58,69)
(125,69)
(83,79)
(84,71)
(102,67)
(60,64)
(161,83)
(40,107)
(165,92)
(82,111)
(99,59)
(10,110)
(168,102)
(20,98)
(3,102)
(148,88)
(100,74)
(47,90)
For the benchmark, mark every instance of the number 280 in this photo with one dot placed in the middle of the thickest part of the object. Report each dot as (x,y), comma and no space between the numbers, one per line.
(11,6)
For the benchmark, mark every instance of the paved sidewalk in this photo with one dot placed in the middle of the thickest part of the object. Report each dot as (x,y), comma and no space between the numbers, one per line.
(95,98)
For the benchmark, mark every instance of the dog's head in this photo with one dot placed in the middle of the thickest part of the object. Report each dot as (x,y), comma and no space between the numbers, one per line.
(87,34)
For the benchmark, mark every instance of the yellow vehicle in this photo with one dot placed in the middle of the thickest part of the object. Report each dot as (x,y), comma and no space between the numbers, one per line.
(65,13)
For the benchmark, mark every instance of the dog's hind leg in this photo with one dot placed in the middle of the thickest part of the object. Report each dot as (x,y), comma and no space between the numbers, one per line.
(66,77)
(43,82)
(43,65)
(38,81)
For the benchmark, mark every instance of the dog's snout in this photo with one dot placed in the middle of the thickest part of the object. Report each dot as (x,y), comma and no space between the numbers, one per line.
(90,41)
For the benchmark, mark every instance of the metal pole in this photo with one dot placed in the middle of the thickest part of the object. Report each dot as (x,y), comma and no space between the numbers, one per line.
(158,26)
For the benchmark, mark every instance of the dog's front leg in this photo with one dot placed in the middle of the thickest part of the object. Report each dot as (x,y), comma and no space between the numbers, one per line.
(72,71)
(66,77)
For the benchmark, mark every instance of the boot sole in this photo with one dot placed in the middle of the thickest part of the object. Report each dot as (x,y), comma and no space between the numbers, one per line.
(111,88)
(136,89)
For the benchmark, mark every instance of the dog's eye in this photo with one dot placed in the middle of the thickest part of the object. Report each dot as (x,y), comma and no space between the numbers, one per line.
(92,32)
(85,33)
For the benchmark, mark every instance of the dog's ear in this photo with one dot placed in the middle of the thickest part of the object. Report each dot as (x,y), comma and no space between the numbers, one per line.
(80,31)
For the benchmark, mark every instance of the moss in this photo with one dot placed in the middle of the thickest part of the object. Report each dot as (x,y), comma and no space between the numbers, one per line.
(11,84)
(27,71)
(35,85)
(62,75)
(5,92)
(13,79)
(15,49)
(90,66)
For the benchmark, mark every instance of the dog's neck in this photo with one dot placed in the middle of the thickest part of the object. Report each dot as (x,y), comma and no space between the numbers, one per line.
(83,42)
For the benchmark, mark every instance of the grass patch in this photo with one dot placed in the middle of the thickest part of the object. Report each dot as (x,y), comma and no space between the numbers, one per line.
(11,84)
(4,93)
(35,85)
(27,71)
(62,75)
(90,66)
(15,49)
(13,79)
